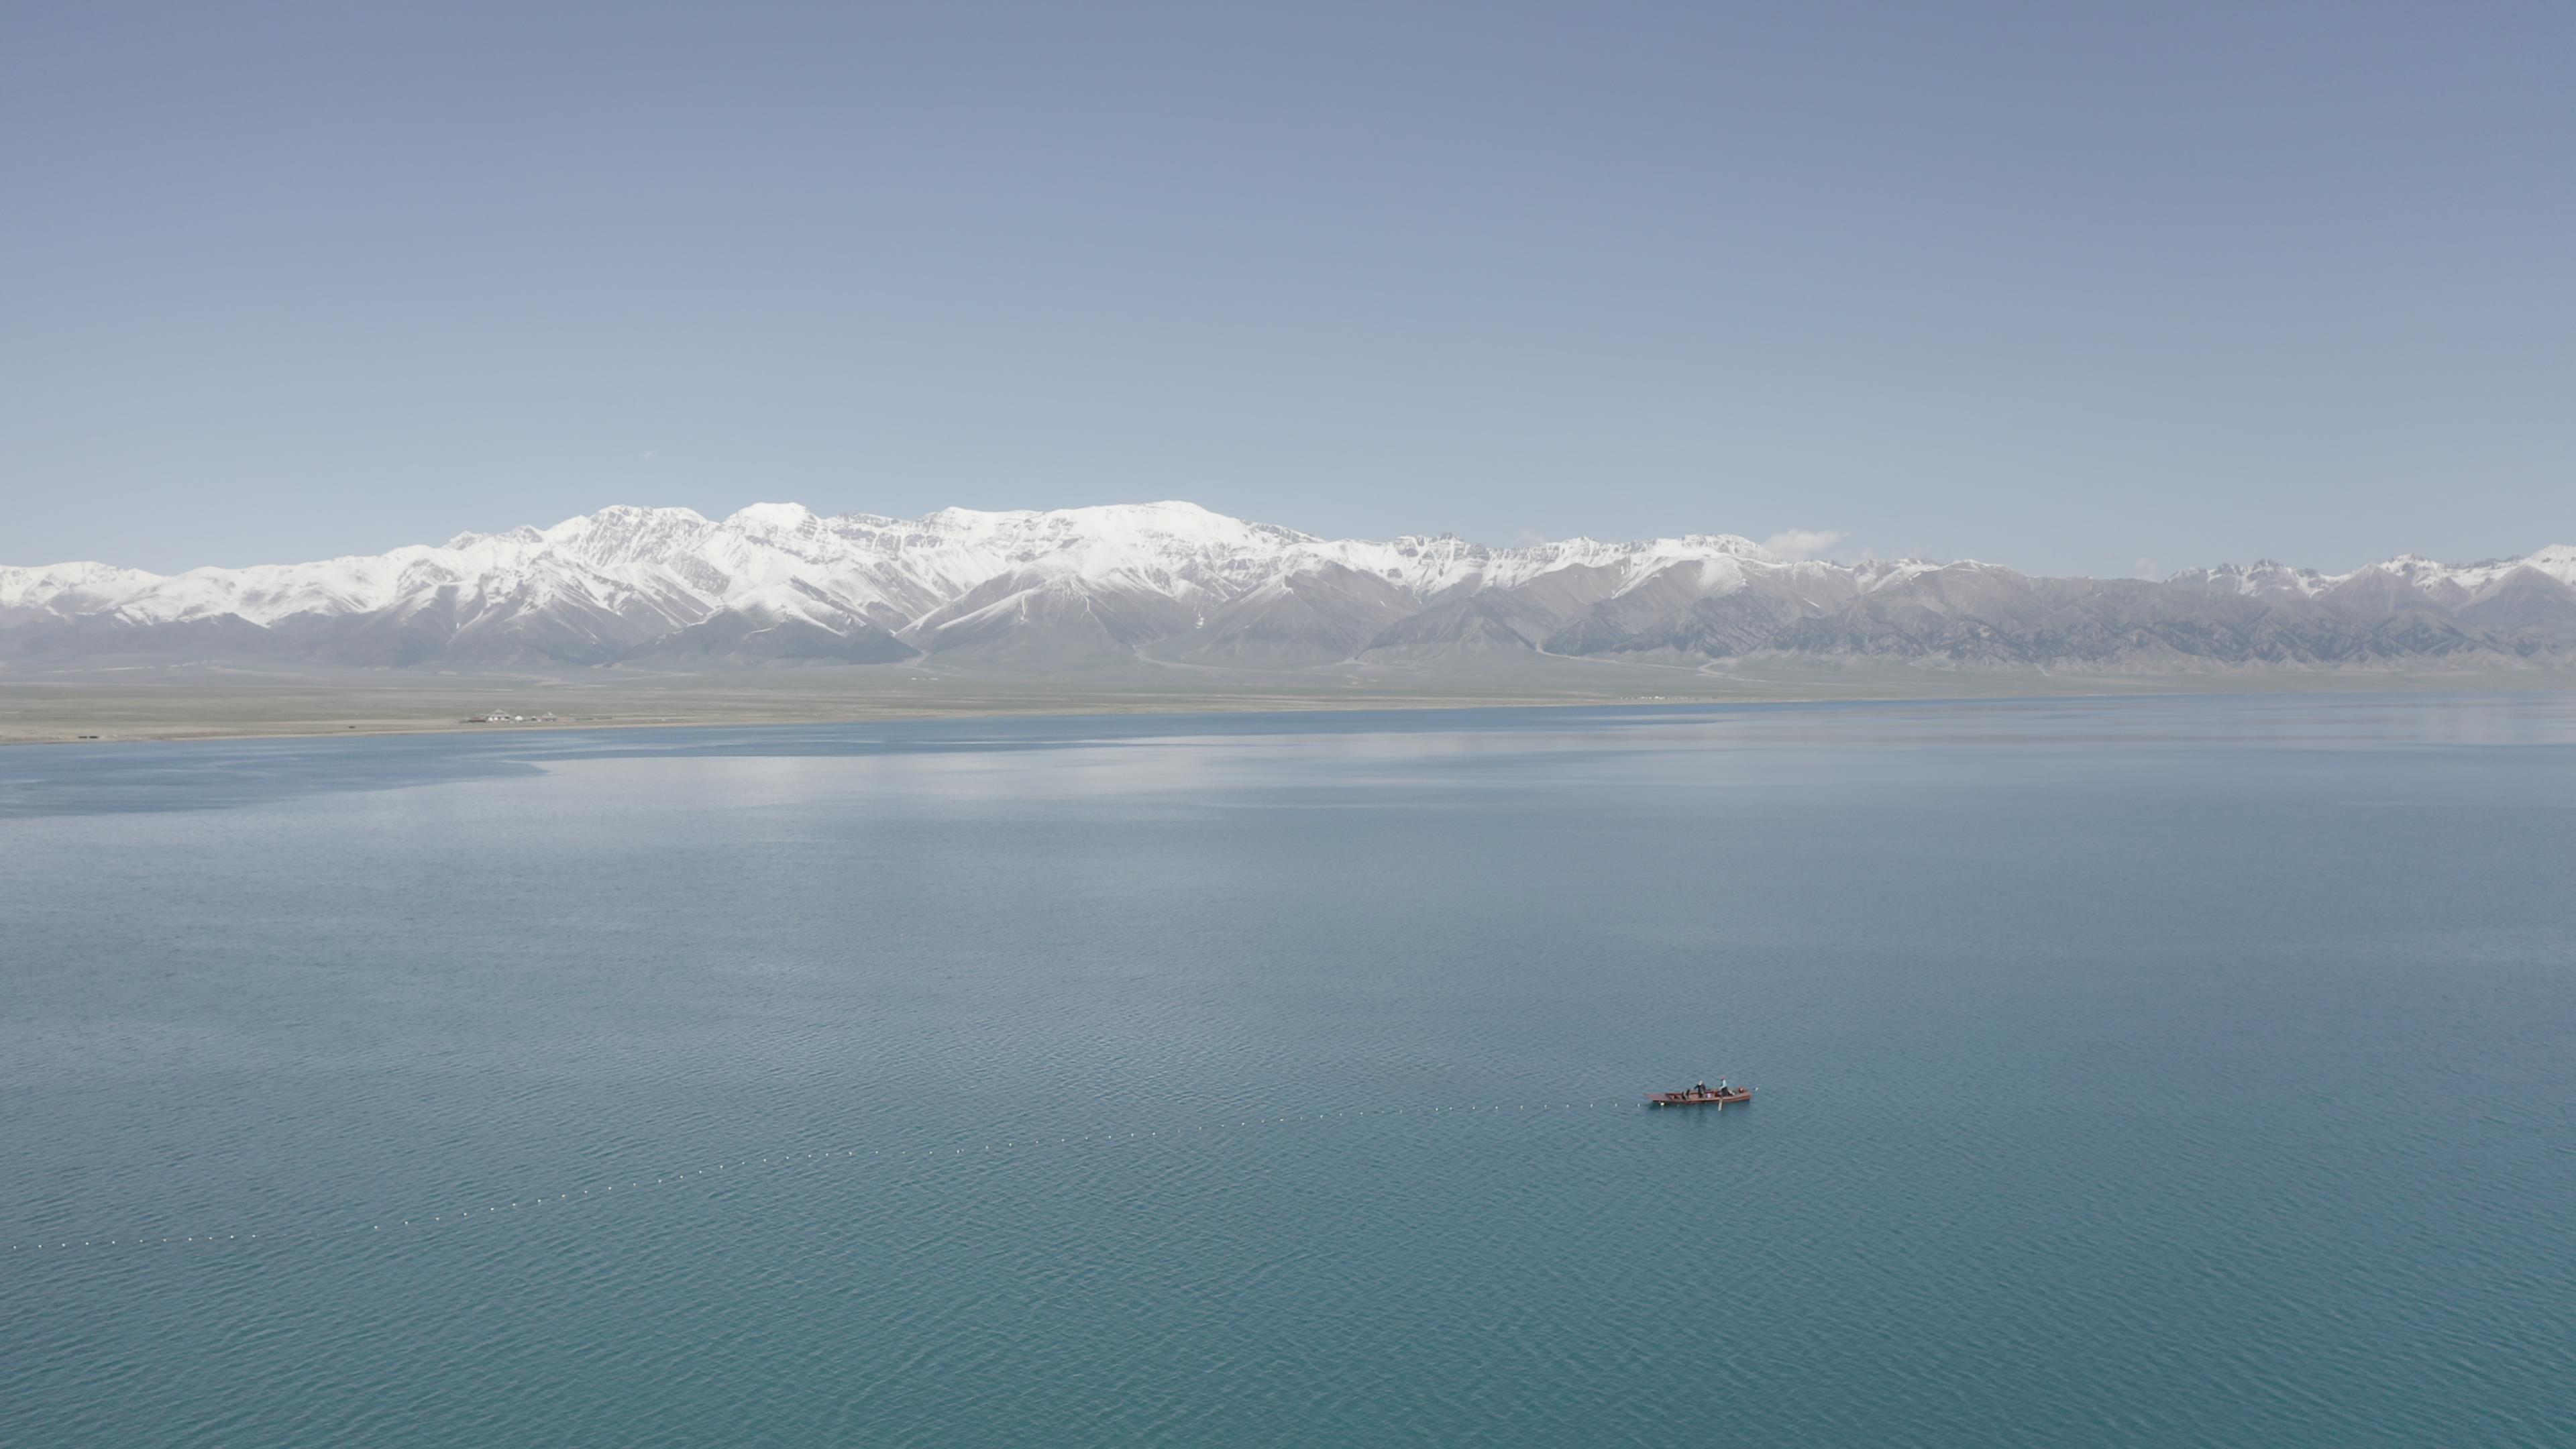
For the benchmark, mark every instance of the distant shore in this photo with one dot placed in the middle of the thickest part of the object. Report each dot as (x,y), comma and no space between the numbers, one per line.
(181,706)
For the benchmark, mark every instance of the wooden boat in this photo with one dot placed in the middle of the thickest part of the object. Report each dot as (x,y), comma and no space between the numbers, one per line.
(1701,1094)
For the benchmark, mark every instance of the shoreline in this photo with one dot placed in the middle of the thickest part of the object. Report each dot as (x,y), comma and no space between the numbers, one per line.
(68,711)
(181,732)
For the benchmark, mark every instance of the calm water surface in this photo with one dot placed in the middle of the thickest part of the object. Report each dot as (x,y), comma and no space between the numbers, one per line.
(2152,1073)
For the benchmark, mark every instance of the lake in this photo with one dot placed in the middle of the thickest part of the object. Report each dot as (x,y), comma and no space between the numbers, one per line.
(2156,1072)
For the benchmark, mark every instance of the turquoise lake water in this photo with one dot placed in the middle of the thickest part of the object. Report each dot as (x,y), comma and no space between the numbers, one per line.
(2183,1072)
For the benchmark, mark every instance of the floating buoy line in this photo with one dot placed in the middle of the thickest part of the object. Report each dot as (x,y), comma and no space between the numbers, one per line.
(461,1214)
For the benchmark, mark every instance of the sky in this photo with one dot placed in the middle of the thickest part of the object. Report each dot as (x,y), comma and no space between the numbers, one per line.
(2073,287)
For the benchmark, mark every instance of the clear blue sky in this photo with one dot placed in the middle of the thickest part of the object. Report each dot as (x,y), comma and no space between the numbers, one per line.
(2072,287)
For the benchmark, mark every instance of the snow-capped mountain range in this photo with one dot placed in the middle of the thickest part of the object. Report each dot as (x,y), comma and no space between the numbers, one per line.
(1175,583)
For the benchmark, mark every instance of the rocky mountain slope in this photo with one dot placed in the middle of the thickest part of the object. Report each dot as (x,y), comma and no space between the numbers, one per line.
(664,588)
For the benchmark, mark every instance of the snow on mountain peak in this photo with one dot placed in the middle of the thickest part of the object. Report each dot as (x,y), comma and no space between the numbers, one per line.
(595,584)
(2265,577)
(2558,561)
(772,518)
(675,562)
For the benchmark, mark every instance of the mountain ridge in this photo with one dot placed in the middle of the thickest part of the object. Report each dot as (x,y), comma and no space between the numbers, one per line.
(1038,591)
